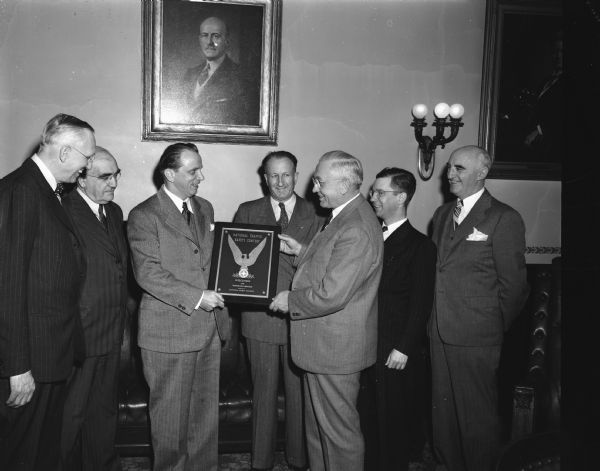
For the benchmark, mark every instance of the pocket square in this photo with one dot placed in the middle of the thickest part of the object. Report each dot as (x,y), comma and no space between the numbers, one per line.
(212,227)
(477,236)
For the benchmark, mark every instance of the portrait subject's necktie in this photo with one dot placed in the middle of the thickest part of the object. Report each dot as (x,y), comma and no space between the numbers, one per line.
(102,217)
(457,210)
(202,78)
(327,221)
(187,215)
(283,218)
(60,189)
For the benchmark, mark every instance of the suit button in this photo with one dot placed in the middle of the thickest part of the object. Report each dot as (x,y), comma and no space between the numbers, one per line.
(203,269)
(195,250)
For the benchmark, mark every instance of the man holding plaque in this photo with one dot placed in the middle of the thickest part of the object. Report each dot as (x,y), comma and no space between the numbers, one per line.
(333,312)
(267,332)
(181,324)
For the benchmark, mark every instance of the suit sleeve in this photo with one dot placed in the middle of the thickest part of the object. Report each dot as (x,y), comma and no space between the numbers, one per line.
(422,276)
(142,231)
(241,216)
(346,268)
(509,258)
(18,229)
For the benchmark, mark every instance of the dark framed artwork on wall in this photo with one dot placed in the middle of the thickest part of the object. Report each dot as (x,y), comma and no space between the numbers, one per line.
(522,94)
(211,70)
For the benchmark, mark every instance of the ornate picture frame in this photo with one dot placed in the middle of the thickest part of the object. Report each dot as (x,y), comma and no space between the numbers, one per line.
(522,95)
(218,86)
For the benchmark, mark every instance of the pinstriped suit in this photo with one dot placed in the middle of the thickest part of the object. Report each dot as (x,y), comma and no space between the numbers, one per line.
(40,276)
(91,404)
(180,345)
(480,288)
(333,309)
(267,334)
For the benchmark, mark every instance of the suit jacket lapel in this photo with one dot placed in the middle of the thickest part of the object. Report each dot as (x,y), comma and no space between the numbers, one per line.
(398,236)
(87,219)
(173,216)
(476,215)
(300,216)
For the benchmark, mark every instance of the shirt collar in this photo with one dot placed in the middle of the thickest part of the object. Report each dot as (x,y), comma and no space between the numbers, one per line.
(45,171)
(92,204)
(392,227)
(468,204)
(290,204)
(336,211)
(178,201)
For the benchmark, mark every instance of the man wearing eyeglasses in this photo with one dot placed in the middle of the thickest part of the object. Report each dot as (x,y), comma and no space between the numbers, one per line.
(391,406)
(41,269)
(90,414)
(333,311)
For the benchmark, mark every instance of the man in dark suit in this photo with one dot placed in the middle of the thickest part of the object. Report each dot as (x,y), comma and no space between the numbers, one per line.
(41,269)
(267,332)
(90,415)
(333,312)
(396,382)
(215,90)
(181,322)
(480,289)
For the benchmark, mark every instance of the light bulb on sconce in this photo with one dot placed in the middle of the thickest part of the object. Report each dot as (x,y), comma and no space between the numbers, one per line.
(445,116)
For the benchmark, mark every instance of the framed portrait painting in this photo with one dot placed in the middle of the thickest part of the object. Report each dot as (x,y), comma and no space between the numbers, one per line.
(523,90)
(211,70)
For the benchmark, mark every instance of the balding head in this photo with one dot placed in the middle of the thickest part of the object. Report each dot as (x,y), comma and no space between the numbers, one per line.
(467,170)
(100,180)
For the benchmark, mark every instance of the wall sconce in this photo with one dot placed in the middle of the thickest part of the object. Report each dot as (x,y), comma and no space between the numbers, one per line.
(427,145)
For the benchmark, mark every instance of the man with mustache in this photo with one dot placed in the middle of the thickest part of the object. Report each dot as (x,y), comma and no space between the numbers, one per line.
(215,90)
(181,322)
(41,272)
(267,332)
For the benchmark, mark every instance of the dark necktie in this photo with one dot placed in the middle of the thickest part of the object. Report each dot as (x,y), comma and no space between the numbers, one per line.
(102,217)
(283,218)
(457,210)
(60,189)
(186,213)
(384,228)
(327,221)
(202,78)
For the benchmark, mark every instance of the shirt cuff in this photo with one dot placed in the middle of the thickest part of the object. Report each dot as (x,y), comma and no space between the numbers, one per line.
(199,302)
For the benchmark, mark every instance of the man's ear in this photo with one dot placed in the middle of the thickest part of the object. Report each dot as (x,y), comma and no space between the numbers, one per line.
(169,174)
(62,153)
(482,174)
(402,198)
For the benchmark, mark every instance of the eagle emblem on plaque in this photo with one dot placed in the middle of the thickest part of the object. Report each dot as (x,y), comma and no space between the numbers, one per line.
(245,260)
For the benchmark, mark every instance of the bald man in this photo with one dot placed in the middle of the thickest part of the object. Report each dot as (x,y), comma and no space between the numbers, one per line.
(90,414)
(215,91)
(480,289)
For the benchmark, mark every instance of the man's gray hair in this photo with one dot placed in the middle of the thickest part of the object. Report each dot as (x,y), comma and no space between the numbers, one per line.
(348,166)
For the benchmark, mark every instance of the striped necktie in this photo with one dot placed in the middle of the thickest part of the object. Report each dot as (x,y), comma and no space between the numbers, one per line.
(283,218)
(327,221)
(457,210)
(102,217)
(186,213)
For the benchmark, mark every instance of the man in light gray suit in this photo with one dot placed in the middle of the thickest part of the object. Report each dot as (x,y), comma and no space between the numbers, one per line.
(333,312)
(181,323)
(267,332)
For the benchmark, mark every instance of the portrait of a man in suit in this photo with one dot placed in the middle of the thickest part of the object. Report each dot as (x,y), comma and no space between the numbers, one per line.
(181,322)
(267,332)
(90,416)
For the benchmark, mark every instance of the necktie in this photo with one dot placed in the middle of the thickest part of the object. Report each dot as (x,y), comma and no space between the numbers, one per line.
(457,209)
(102,217)
(384,228)
(60,189)
(202,78)
(186,213)
(327,221)
(283,218)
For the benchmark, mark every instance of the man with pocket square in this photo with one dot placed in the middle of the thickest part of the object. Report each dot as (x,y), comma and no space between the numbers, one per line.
(480,289)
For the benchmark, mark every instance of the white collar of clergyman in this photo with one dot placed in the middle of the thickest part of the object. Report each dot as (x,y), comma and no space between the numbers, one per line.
(392,227)
(336,211)
(45,171)
(92,204)
(178,201)
(290,204)
(468,204)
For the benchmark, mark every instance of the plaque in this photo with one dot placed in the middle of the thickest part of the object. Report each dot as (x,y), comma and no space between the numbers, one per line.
(244,263)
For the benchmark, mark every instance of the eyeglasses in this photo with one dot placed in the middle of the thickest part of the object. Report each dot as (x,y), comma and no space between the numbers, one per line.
(105,177)
(87,157)
(381,193)
(320,183)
